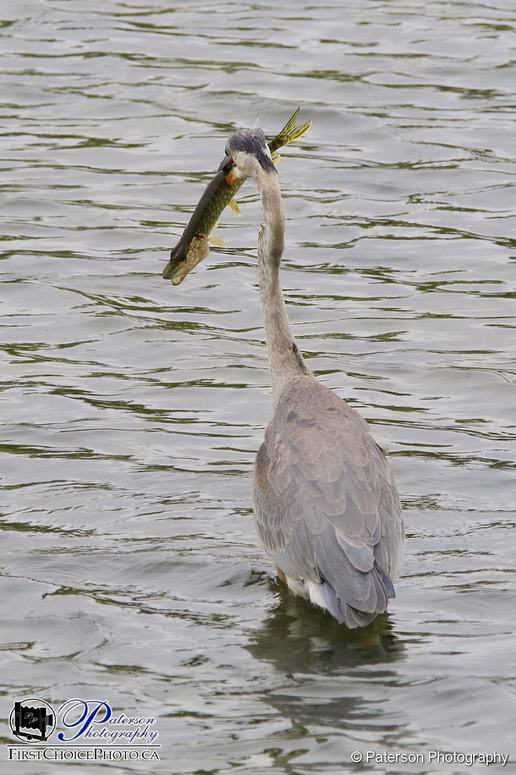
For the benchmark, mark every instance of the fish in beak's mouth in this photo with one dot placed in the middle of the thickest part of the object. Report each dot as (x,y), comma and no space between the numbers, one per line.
(229,168)
(232,176)
(243,147)
(239,162)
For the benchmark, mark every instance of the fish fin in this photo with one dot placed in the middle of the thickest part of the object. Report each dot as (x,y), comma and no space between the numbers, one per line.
(216,242)
(289,126)
(298,132)
(276,158)
(233,204)
(290,132)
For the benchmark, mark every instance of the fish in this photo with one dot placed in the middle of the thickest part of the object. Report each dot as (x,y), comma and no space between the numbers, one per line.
(194,245)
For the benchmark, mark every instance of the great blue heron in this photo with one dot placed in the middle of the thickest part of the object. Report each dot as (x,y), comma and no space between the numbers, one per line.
(326,504)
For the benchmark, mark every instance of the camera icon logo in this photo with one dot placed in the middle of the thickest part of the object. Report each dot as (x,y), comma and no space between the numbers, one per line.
(32,720)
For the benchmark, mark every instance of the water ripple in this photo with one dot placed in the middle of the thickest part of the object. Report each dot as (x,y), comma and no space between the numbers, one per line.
(132,411)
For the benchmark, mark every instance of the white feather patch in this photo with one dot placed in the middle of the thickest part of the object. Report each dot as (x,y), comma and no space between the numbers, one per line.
(314,593)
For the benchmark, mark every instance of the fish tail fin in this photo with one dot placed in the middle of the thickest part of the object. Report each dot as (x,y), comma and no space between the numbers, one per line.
(291,131)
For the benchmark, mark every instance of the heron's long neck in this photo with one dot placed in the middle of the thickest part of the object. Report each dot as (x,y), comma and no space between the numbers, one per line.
(285,360)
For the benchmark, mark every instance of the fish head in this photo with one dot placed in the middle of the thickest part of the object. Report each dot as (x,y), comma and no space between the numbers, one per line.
(181,264)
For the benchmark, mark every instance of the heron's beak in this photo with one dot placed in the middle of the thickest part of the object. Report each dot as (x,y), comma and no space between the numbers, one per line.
(228,166)
(232,176)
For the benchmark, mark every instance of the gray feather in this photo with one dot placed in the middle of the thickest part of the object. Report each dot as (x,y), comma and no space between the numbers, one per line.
(326,505)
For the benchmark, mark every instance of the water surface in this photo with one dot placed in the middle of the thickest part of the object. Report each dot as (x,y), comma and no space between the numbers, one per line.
(132,411)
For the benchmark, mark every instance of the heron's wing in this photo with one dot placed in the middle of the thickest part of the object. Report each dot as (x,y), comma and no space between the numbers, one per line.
(326,505)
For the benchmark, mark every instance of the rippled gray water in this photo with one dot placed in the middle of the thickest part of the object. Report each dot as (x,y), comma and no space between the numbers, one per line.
(131,411)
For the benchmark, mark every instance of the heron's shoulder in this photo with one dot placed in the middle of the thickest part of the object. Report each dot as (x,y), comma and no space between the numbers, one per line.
(308,403)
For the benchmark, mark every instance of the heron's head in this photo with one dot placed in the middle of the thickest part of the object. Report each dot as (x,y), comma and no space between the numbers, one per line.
(249,152)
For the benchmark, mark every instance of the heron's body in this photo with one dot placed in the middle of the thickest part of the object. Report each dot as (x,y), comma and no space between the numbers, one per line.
(326,505)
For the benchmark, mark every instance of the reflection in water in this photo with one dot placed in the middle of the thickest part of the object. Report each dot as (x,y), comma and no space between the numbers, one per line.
(298,638)
(324,665)
(132,412)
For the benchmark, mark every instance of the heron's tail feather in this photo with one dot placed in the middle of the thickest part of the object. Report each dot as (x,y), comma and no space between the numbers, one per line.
(387,582)
(326,597)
